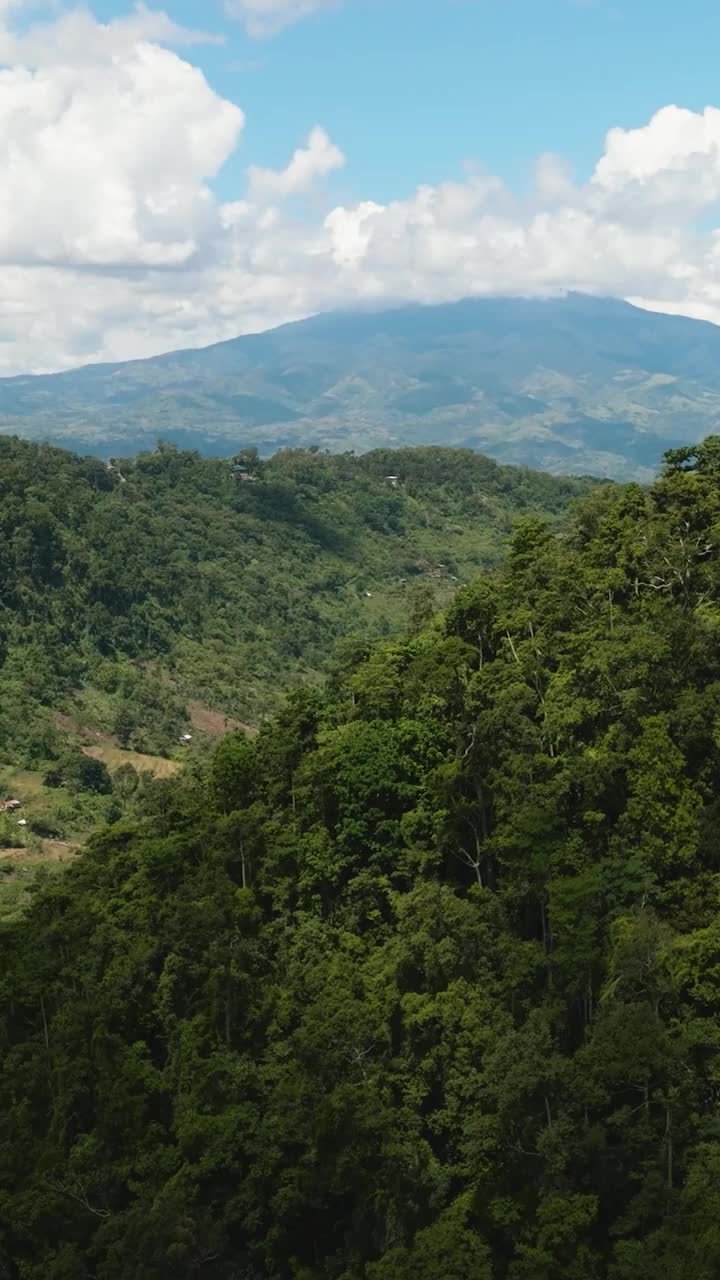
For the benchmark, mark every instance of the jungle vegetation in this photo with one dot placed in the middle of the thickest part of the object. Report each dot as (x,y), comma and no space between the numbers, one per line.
(424,982)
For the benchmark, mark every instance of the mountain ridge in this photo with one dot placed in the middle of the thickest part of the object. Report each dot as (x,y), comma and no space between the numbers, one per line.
(581,384)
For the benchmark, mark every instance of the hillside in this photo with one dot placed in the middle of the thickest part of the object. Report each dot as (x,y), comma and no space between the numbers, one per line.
(168,593)
(422,984)
(578,384)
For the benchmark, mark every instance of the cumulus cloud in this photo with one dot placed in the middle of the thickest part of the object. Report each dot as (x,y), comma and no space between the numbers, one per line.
(669,146)
(109,166)
(267,17)
(113,243)
(319,157)
(107,142)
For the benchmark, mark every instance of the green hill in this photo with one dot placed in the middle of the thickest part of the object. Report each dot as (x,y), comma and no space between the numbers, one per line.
(422,984)
(576,384)
(162,595)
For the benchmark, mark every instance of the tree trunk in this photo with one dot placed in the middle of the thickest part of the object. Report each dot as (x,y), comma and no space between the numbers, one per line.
(45,1025)
(242,863)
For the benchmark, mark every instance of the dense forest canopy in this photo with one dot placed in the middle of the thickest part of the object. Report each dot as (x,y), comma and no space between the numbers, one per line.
(127,590)
(425,981)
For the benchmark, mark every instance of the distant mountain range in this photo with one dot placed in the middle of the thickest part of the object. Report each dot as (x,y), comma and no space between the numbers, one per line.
(578,384)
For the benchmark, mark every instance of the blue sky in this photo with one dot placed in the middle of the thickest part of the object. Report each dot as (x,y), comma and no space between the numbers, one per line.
(162,189)
(412,90)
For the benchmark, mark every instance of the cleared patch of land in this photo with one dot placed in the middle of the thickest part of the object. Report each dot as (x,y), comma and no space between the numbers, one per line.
(216,723)
(48,851)
(69,725)
(19,869)
(24,784)
(115,757)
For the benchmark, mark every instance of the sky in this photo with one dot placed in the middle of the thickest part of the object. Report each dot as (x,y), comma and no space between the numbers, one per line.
(172,176)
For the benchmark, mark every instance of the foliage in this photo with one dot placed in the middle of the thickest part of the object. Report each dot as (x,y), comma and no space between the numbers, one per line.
(80,773)
(425,982)
(127,592)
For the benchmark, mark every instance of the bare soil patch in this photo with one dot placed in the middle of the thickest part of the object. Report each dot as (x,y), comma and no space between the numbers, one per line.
(59,850)
(68,725)
(216,723)
(52,851)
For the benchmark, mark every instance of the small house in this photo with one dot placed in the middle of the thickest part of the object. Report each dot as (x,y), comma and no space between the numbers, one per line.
(393,480)
(8,806)
(241,471)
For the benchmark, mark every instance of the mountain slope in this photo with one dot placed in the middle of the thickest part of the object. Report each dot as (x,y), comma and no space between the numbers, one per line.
(424,984)
(575,384)
(128,594)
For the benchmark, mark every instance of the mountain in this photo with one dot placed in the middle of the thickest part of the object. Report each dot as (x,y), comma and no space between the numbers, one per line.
(423,983)
(578,384)
(174,594)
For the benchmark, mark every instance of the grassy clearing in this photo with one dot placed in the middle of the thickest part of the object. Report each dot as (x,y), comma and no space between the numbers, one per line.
(115,757)
(19,870)
(22,784)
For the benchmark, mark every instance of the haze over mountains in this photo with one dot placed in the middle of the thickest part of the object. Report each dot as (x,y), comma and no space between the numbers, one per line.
(577,384)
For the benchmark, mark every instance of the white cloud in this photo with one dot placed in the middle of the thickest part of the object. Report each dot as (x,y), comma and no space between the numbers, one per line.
(318,158)
(107,141)
(113,243)
(670,146)
(74,35)
(266,17)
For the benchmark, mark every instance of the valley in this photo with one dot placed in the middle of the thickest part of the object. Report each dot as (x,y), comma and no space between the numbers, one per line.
(148,608)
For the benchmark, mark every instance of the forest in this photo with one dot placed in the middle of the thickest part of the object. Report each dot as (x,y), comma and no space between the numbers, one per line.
(422,983)
(127,590)
(149,605)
